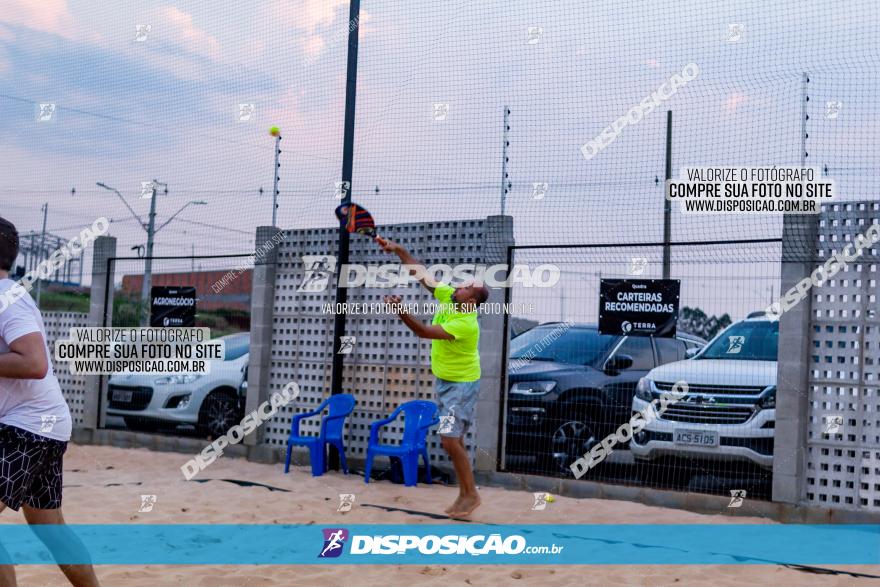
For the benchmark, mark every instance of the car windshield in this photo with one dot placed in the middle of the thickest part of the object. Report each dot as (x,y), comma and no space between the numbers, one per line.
(746,341)
(577,346)
(236,346)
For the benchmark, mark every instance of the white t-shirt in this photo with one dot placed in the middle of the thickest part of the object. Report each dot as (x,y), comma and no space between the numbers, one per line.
(35,405)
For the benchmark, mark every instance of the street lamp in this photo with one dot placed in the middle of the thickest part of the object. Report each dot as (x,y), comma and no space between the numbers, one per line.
(184,207)
(150,228)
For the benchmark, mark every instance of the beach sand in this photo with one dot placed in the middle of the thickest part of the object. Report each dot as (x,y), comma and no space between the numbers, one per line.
(104,485)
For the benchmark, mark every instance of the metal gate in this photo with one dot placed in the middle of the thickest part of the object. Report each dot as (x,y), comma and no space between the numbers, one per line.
(565,387)
(176,403)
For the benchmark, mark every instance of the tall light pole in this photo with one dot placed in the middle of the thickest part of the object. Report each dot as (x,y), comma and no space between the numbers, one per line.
(336,372)
(150,228)
(275,132)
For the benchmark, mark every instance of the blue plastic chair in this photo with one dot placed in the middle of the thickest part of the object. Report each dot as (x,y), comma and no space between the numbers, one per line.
(419,416)
(340,407)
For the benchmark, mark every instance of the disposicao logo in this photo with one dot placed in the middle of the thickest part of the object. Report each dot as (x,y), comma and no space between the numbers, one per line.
(334,541)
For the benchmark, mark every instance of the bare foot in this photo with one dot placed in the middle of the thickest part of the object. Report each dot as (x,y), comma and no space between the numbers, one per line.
(455,505)
(466,506)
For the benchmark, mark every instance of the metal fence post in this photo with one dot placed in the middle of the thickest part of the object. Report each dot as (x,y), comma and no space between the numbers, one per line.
(499,236)
(100,314)
(262,316)
(799,241)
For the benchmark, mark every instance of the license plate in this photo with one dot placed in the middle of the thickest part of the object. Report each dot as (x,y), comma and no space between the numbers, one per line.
(696,437)
(122,395)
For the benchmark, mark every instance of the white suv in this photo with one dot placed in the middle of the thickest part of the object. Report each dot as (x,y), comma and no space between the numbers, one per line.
(729,411)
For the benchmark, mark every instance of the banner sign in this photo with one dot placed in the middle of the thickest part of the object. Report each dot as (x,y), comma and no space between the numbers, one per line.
(443,544)
(638,307)
(172,306)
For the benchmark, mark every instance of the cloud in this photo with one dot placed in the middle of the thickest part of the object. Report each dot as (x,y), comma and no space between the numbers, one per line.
(187,34)
(311,15)
(48,16)
(317,23)
(178,47)
(5,35)
(733,101)
(313,45)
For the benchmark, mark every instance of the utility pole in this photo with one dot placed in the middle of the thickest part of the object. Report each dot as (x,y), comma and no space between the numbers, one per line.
(347,165)
(667,205)
(45,209)
(151,229)
(148,260)
(505,143)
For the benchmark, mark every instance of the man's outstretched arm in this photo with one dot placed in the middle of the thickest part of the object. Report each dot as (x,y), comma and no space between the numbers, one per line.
(413,265)
(418,327)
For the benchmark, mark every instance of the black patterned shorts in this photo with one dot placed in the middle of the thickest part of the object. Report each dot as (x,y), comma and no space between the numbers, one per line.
(30,469)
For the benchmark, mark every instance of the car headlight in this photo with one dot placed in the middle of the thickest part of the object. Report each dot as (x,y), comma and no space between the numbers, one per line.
(179,402)
(643,389)
(533,387)
(769,400)
(176,379)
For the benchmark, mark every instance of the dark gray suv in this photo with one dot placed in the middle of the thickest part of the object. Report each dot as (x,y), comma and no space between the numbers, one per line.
(571,386)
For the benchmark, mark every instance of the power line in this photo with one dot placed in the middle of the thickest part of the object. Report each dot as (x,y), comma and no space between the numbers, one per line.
(171,130)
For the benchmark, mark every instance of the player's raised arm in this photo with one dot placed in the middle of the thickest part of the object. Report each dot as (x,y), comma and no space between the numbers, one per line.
(419,328)
(413,265)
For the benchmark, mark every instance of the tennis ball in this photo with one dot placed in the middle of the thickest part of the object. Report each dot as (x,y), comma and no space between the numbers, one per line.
(274,131)
(550,499)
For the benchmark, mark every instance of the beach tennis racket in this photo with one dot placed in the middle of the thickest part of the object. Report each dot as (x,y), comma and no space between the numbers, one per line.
(357,219)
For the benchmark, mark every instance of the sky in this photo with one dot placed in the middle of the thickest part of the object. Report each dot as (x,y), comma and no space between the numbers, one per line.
(167,107)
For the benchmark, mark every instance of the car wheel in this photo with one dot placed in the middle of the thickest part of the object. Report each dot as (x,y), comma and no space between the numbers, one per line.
(141,424)
(571,440)
(219,413)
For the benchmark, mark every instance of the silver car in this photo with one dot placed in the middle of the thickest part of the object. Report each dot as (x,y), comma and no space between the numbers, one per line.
(211,402)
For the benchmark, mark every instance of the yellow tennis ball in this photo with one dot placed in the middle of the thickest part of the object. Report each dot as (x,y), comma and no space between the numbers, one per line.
(274,131)
(550,499)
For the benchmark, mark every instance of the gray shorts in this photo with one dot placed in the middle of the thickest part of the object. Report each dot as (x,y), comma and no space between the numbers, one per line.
(457,404)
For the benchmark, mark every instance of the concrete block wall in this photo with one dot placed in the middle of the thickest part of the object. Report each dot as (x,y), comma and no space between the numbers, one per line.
(100,314)
(73,387)
(843,459)
(388,365)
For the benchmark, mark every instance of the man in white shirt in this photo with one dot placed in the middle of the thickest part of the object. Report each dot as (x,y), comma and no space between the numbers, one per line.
(35,422)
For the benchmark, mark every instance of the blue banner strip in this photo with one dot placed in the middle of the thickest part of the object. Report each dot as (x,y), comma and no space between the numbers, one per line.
(558,544)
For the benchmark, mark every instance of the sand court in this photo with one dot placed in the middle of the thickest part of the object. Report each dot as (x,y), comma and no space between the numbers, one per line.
(104,485)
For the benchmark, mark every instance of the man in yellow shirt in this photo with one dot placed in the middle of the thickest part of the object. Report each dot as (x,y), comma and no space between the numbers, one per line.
(455,363)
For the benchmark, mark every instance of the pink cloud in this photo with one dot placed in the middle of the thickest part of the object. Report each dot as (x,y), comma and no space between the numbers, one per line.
(50,16)
(308,16)
(192,38)
(318,24)
(733,101)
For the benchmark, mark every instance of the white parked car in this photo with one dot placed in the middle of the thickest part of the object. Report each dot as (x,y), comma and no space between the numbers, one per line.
(729,411)
(212,402)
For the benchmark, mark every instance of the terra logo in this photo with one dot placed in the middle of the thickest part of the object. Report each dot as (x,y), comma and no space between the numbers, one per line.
(334,542)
